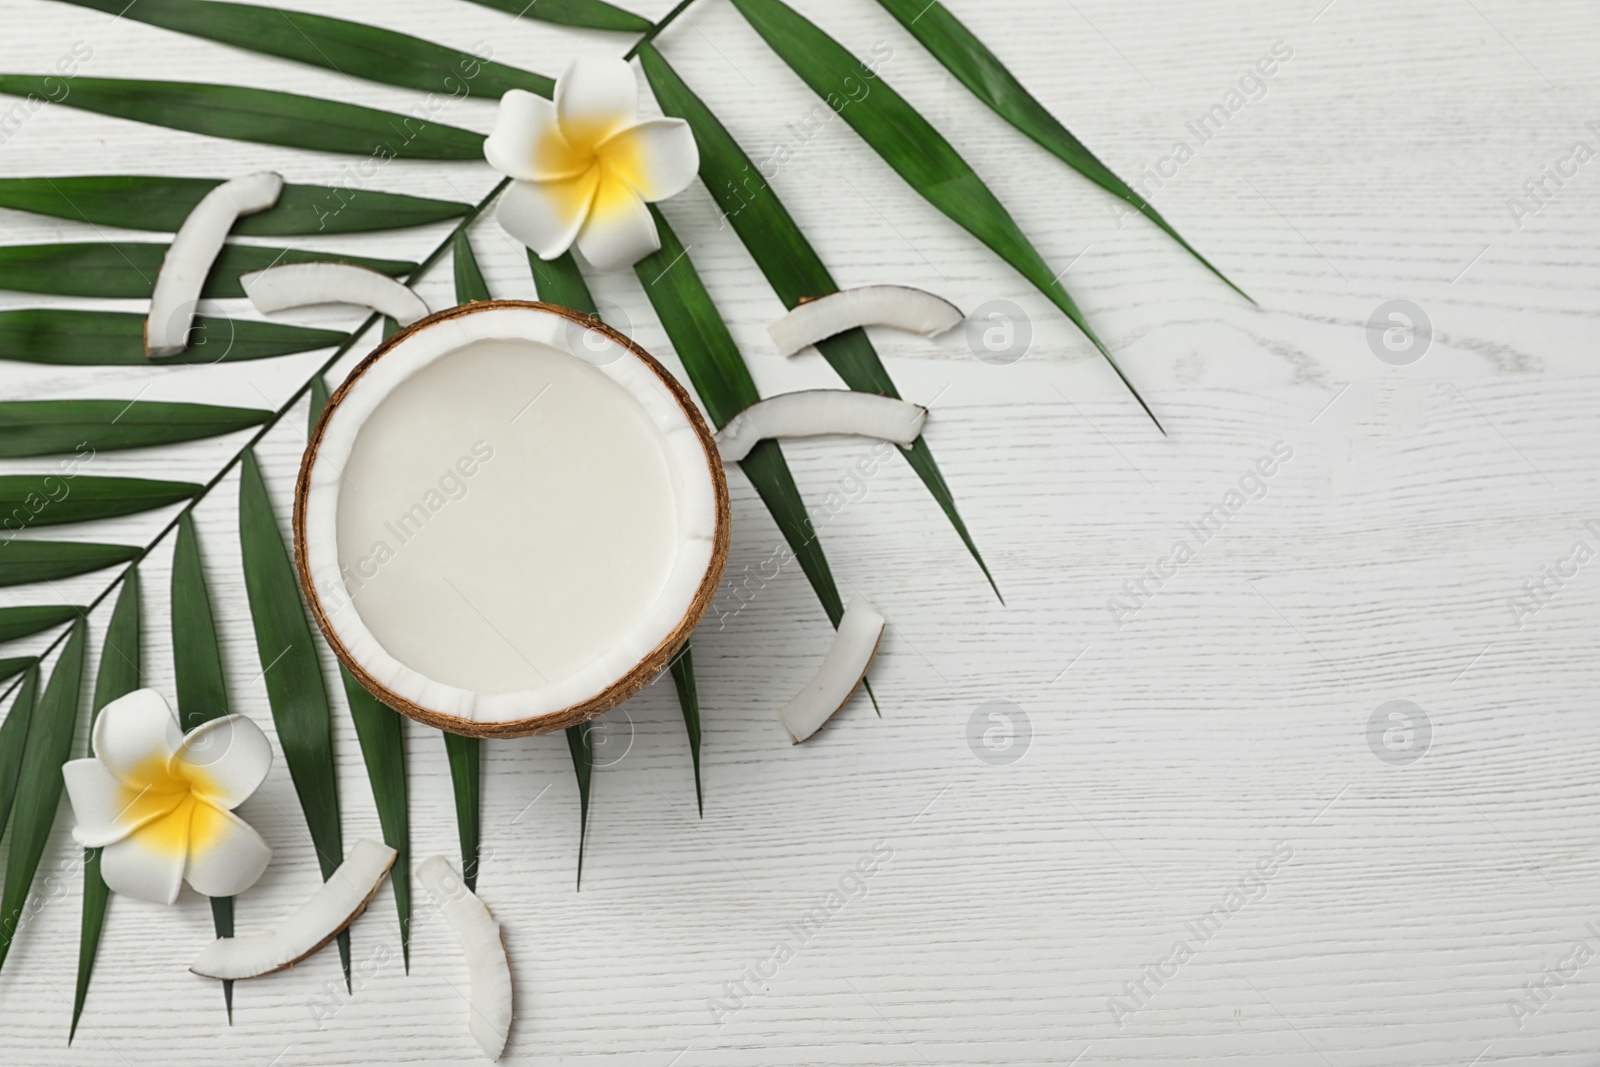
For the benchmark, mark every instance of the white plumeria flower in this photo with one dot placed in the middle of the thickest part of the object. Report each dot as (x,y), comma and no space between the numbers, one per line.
(160,801)
(585,165)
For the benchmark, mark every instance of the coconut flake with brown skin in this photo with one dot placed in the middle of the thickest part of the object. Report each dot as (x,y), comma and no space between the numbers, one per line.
(900,306)
(303,284)
(334,906)
(490,1009)
(854,645)
(815,412)
(194,249)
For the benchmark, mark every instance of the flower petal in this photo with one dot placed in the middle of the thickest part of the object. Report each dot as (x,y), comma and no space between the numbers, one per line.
(148,863)
(224,760)
(658,157)
(526,142)
(619,231)
(135,735)
(103,809)
(595,98)
(226,855)
(546,216)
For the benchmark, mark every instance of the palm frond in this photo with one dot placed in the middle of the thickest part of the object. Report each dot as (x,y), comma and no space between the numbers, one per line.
(118,675)
(52,499)
(559,281)
(980,70)
(915,150)
(128,269)
(73,338)
(39,783)
(380,730)
(350,48)
(585,14)
(789,262)
(689,703)
(581,747)
(33,618)
(14,740)
(464,755)
(24,562)
(147,202)
(51,427)
(296,691)
(725,387)
(198,674)
(264,116)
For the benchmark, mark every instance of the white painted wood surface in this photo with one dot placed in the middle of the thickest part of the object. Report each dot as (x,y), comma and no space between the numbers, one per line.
(1008,905)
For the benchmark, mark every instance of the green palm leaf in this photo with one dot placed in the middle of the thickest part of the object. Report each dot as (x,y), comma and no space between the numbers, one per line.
(581,746)
(119,675)
(351,48)
(689,704)
(70,337)
(914,149)
(28,500)
(48,427)
(559,281)
(464,755)
(981,71)
(22,562)
(260,115)
(143,202)
(10,667)
(791,265)
(39,783)
(13,741)
(725,387)
(198,674)
(470,285)
(26,621)
(589,14)
(128,269)
(380,730)
(381,734)
(319,400)
(295,688)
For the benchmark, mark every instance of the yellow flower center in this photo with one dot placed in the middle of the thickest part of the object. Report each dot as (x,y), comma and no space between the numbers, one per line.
(587,155)
(172,798)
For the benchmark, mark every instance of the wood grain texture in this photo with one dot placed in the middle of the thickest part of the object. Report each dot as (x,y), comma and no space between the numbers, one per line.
(1007,905)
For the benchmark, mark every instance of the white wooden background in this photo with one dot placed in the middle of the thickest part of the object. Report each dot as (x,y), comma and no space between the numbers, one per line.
(1166,756)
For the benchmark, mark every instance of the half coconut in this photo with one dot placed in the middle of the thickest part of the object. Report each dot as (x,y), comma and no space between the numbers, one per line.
(509,519)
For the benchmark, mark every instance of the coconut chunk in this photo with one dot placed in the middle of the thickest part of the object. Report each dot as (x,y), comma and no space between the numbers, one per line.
(194,249)
(334,906)
(900,306)
(488,966)
(854,645)
(413,592)
(814,412)
(302,284)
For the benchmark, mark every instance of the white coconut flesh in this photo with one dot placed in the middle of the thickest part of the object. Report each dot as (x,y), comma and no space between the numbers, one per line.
(854,645)
(899,306)
(193,251)
(497,529)
(297,285)
(818,412)
(335,905)
(488,966)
